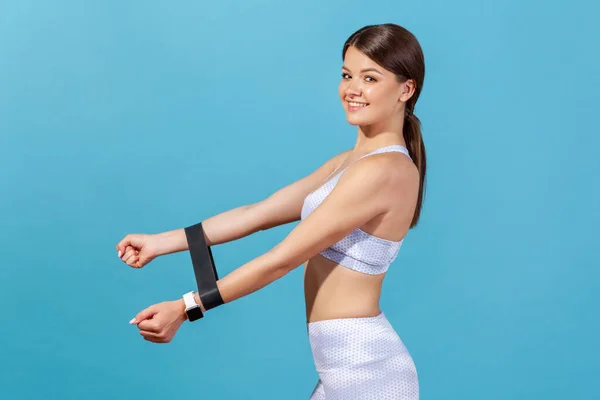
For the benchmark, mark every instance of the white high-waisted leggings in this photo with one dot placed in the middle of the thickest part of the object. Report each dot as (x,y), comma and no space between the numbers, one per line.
(361,359)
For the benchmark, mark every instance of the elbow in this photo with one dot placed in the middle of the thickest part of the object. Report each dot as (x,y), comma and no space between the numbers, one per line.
(281,263)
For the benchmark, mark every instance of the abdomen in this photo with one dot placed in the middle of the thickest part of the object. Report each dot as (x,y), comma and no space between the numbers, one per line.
(333,291)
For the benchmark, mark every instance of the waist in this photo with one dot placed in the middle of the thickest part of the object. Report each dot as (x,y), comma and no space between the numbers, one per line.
(332,291)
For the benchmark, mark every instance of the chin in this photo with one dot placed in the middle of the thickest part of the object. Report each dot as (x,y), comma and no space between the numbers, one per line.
(354,120)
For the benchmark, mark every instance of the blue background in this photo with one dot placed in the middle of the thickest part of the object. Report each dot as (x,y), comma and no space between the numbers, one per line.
(121,117)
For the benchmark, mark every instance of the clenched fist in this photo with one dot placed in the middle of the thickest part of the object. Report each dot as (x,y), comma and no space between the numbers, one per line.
(137,250)
(159,322)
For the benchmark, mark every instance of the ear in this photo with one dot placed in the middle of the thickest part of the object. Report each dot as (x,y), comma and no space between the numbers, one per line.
(407,90)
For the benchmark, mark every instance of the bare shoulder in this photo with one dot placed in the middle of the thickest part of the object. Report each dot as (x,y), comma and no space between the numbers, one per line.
(404,179)
(390,175)
(339,158)
(402,169)
(327,168)
(392,167)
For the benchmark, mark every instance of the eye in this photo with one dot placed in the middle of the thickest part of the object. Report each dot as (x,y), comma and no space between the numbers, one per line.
(345,76)
(370,79)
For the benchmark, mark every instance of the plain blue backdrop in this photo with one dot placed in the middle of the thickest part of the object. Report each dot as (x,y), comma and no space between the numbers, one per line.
(145,116)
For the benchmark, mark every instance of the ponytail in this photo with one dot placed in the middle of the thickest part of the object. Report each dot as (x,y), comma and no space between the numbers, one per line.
(416,149)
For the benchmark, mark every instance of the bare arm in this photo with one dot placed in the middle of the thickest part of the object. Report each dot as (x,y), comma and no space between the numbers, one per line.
(282,207)
(362,193)
(221,228)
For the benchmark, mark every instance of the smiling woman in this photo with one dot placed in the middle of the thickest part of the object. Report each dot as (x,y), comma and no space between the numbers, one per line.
(354,213)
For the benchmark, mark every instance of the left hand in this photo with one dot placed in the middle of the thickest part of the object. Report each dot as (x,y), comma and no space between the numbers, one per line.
(159,322)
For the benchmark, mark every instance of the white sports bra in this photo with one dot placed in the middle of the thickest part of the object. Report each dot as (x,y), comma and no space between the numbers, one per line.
(359,251)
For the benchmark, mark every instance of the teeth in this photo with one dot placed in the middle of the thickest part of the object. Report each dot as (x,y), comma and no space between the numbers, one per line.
(354,104)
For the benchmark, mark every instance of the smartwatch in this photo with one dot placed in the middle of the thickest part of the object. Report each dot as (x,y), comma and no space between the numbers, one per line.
(192,309)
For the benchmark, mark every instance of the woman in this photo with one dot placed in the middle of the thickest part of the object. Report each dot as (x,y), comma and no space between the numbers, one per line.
(355,211)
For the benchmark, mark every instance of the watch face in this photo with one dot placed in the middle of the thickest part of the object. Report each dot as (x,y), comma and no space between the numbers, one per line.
(194,313)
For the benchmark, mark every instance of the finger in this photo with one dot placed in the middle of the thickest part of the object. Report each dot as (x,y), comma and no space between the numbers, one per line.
(125,253)
(132,260)
(152,336)
(128,250)
(143,259)
(158,340)
(135,263)
(129,253)
(122,245)
(149,325)
(144,314)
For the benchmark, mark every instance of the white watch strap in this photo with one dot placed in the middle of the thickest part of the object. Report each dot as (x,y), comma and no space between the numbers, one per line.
(189,300)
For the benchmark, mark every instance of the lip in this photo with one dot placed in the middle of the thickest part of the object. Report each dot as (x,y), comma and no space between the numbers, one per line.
(354,109)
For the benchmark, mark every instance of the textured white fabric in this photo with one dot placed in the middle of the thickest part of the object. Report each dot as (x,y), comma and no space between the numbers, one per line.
(359,250)
(361,359)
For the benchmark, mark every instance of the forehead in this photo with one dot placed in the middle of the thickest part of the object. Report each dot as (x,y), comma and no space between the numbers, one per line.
(356,59)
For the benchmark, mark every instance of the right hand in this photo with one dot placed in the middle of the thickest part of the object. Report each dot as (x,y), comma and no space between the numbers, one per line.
(137,250)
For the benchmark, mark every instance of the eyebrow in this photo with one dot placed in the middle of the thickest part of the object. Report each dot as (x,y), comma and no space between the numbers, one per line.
(364,70)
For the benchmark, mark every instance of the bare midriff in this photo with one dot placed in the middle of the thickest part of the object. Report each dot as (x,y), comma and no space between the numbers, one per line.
(334,291)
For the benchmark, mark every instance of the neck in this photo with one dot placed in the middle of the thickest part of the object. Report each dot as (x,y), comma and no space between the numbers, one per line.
(378,135)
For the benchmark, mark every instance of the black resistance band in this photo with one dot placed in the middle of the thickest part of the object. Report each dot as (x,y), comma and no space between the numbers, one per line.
(204,267)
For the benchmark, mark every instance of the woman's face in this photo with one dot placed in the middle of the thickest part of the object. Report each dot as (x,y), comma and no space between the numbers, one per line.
(369,93)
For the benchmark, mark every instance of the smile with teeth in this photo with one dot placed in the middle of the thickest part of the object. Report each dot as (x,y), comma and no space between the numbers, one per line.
(356,104)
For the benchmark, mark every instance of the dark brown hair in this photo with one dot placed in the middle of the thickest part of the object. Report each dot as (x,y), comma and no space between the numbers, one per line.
(397,50)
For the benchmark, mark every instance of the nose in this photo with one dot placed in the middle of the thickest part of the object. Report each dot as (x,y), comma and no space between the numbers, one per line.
(353,88)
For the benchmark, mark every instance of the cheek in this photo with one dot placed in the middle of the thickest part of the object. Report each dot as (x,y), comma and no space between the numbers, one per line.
(342,91)
(374,95)
(383,100)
